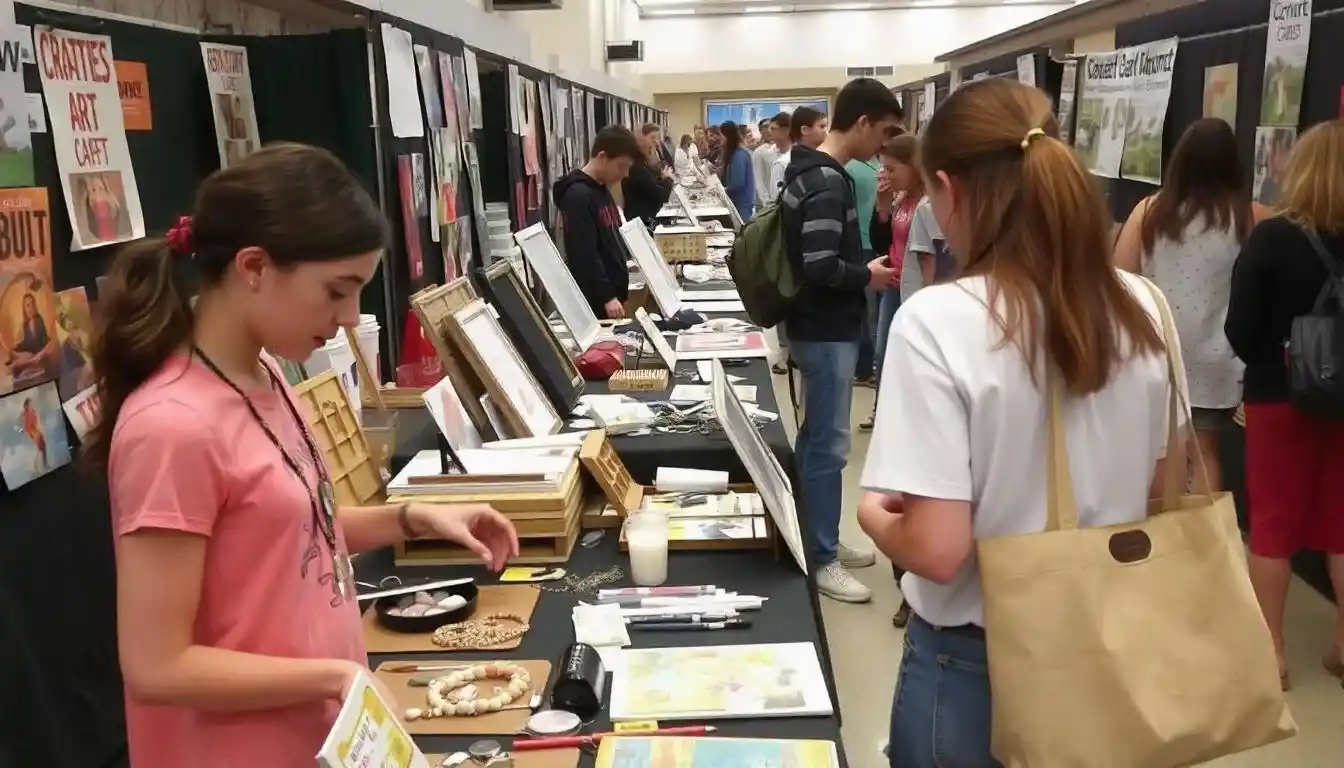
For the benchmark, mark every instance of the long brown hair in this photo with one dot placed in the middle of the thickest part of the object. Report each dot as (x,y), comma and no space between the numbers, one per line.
(904,149)
(298,203)
(1203,180)
(732,140)
(1312,192)
(1038,230)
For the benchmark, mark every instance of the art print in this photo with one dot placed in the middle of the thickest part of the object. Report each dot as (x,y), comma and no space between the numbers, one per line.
(29,346)
(16,145)
(451,416)
(689,752)
(426,67)
(230,83)
(410,221)
(1272,148)
(84,410)
(524,395)
(1220,93)
(87,130)
(74,330)
(32,435)
(1286,47)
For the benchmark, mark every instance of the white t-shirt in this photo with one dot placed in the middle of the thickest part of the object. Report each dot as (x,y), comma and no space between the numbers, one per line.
(761,160)
(959,418)
(777,169)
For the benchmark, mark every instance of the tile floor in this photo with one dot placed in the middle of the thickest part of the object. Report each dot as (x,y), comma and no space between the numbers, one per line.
(866,678)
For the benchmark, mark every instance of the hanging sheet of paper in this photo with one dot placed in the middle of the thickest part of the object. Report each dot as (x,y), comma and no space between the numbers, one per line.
(37,114)
(473,90)
(230,83)
(403,98)
(1122,107)
(426,66)
(1286,49)
(79,80)
(16,143)
(31,340)
(515,101)
(137,112)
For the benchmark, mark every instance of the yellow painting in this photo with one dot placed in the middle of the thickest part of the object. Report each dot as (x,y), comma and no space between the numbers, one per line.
(684,752)
(1220,93)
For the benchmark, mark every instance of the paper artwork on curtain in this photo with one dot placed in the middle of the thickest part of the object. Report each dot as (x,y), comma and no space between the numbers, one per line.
(407,177)
(426,68)
(462,98)
(1272,147)
(16,142)
(1026,69)
(403,98)
(29,346)
(74,331)
(79,80)
(477,196)
(32,435)
(230,83)
(515,100)
(466,253)
(448,96)
(37,114)
(1220,93)
(473,90)
(84,410)
(1068,92)
(927,103)
(531,165)
(1122,108)
(1289,37)
(137,113)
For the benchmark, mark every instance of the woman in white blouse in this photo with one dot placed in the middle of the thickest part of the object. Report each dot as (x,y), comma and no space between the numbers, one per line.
(683,161)
(958,452)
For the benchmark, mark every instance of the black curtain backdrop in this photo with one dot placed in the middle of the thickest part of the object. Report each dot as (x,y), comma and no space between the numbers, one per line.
(57,587)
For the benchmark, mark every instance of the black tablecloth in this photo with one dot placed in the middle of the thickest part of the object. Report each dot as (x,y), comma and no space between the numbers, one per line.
(785,618)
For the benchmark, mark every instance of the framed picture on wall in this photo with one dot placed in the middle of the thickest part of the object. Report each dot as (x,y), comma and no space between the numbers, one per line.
(750,112)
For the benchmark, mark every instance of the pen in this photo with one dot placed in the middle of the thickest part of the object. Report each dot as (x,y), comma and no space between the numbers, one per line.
(568,742)
(697,626)
(612,595)
(679,618)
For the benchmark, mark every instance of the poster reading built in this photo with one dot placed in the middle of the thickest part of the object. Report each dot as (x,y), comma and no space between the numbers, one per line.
(1285,62)
(29,341)
(230,84)
(80,82)
(1122,108)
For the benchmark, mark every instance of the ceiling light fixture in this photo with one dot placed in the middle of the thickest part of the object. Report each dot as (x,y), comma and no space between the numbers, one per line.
(763,9)
(933,3)
(847,7)
(671,12)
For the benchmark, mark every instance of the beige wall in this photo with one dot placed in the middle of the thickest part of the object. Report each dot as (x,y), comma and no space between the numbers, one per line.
(1101,41)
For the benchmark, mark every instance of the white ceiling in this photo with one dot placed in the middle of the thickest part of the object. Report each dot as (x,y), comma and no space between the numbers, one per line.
(658,9)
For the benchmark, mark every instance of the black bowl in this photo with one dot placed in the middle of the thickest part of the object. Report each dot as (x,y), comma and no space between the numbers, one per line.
(421,624)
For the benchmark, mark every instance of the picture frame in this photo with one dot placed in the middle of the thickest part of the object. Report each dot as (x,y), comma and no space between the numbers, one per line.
(661,285)
(434,308)
(544,258)
(655,337)
(771,481)
(514,392)
(679,193)
(536,340)
(716,186)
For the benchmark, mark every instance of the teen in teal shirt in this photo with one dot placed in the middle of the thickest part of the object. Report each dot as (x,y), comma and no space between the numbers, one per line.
(865,199)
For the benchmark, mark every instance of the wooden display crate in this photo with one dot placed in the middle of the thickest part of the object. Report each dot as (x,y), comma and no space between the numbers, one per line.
(535,548)
(352,466)
(683,247)
(639,380)
(434,306)
(516,505)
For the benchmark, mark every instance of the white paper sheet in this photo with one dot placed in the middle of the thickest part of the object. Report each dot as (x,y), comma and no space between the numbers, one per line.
(720,307)
(403,93)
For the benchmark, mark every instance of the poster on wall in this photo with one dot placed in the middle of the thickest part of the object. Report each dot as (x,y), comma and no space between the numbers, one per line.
(426,67)
(750,112)
(927,103)
(1220,93)
(29,350)
(16,143)
(473,90)
(32,435)
(230,83)
(1068,92)
(1122,107)
(1286,47)
(80,84)
(1026,69)
(133,88)
(83,411)
(74,332)
(403,99)
(1272,147)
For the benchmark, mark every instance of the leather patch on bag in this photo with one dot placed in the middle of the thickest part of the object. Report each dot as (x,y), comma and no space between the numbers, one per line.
(1131,546)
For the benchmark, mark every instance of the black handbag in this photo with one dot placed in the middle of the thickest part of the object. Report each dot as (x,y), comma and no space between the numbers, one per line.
(1316,345)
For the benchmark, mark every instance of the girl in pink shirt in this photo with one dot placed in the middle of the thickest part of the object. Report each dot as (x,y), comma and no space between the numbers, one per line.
(237,621)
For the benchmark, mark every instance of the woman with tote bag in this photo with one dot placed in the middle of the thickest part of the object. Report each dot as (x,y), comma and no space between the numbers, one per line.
(1027,410)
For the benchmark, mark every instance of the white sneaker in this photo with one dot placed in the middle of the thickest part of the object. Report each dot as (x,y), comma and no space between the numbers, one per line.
(855,557)
(836,583)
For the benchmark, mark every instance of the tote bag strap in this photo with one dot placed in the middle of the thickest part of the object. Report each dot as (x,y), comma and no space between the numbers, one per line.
(1173,480)
(1061,508)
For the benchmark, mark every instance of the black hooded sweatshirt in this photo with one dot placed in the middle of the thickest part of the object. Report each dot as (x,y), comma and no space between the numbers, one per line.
(821,234)
(593,245)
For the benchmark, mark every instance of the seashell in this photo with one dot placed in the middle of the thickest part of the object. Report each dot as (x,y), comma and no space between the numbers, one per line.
(424,598)
(464,707)
(438,711)
(433,610)
(414,713)
(415,609)
(452,602)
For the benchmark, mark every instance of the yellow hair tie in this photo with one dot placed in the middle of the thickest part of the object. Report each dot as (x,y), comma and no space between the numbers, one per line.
(1033,133)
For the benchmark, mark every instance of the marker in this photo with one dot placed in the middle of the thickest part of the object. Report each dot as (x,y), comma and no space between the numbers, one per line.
(638,592)
(695,626)
(679,618)
(570,742)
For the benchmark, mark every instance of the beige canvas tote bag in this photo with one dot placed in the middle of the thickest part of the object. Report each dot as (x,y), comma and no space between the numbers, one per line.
(1131,646)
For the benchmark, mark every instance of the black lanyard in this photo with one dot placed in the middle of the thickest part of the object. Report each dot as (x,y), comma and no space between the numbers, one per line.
(323,509)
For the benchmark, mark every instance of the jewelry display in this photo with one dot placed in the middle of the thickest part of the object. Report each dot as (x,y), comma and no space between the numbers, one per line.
(587,585)
(456,695)
(427,604)
(482,632)
(486,749)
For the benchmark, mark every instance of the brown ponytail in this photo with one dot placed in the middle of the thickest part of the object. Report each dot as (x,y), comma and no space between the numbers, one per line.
(1038,228)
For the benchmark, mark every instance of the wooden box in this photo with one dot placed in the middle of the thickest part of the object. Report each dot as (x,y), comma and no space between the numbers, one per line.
(434,307)
(683,247)
(352,466)
(639,380)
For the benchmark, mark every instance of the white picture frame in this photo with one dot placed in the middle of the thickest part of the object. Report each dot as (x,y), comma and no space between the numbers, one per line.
(770,479)
(716,186)
(645,252)
(451,416)
(544,258)
(656,338)
(679,193)
(522,404)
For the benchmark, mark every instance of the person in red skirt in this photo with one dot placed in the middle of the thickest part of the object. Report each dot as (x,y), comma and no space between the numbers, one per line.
(1294,461)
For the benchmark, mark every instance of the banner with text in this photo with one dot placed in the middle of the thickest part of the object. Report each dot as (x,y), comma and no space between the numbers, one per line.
(1122,108)
(87,129)
(230,83)
(1285,62)
(29,351)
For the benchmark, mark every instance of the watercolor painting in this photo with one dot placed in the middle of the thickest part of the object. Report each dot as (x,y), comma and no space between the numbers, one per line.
(32,435)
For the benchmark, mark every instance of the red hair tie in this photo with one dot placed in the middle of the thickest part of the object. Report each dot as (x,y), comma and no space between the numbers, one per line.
(179,237)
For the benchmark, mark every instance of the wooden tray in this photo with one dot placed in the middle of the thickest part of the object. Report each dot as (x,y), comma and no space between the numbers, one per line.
(602,462)
(540,758)
(355,477)
(506,723)
(517,599)
(526,505)
(533,549)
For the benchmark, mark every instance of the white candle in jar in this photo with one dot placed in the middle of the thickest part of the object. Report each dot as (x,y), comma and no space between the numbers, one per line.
(646,537)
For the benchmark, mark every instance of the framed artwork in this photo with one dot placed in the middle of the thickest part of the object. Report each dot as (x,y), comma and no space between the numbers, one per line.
(514,392)
(679,193)
(451,416)
(434,307)
(716,186)
(655,337)
(750,112)
(541,254)
(661,284)
(522,318)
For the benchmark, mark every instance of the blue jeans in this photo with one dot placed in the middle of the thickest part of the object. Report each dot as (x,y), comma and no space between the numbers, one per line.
(888,302)
(940,716)
(822,446)
(866,365)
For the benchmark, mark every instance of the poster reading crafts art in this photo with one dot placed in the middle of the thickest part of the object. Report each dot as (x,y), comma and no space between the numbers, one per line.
(29,341)
(230,84)
(1285,62)
(80,82)
(1122,109)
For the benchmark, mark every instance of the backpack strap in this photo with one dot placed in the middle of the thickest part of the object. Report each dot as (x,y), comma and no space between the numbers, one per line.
(1334,282)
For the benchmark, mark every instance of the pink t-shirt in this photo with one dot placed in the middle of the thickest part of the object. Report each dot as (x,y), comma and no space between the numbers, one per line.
(188,456)
(901,216)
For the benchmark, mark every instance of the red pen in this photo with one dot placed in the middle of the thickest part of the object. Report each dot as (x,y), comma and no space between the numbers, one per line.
(566,742)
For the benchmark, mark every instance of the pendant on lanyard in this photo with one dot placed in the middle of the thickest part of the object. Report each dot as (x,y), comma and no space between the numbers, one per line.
(342,571)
